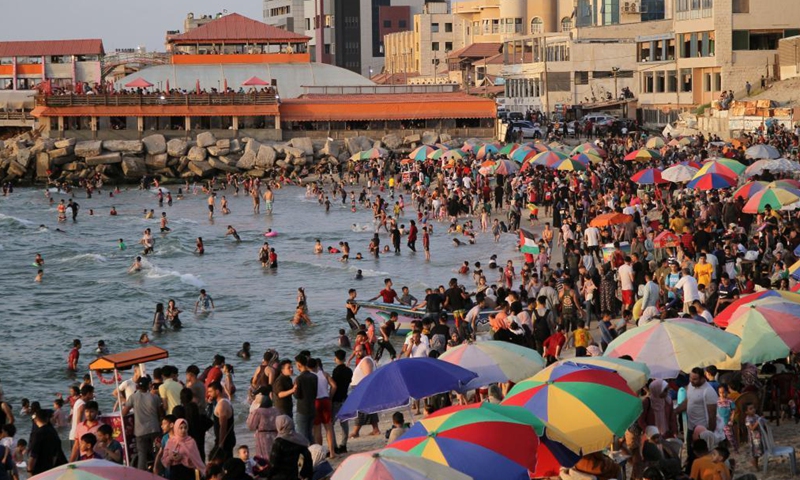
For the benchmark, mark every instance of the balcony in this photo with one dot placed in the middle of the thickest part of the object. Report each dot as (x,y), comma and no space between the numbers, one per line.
(136,100)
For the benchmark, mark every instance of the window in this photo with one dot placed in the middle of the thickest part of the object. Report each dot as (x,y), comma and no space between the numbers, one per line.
(581,78)
(61,59)
(741,6)
(647,82)
(644,51)
(435,46)
(765,40)
(671,49)
(434,28)
(707,82)
(387,24)
(566,24)
(537,25)
(29,60)
(448,46)
(448,27)
(686,80)
(672,81)
(6,60)
(718,82)
(402,24)
(610,12)
(496,25)
(660,86)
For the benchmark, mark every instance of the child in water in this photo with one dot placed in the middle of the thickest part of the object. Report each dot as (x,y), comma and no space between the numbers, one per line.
(300,316)
(144,339)
(344,340)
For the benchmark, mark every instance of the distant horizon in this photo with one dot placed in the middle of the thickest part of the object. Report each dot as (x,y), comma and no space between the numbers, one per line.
(145,24)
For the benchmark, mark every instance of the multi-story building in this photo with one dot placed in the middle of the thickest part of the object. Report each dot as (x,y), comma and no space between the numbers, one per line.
(423,51)
(65,63)
(286,14)
(502,20)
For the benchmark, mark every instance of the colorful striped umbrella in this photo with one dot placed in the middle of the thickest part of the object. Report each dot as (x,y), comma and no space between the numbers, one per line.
(691,163)
(587,158)
(95,470)
(548,158)
(452,155)
(508,149)
(635,374)
(393,464)
(669,347)
(794,270)
(485,150)
(588,405)
(711,181)
(494,362)
(570,165)
(781,165)
(776,198)
(726,316)
(539,147)
(437,154)
(648,176)
(421,153)
(608,219)
(655,142)
(521,153)
(788,183)
(769,330)
(725,166)
(679,173)
(643,155)
(506,167)
(749,189)
(475,441)
(589,148)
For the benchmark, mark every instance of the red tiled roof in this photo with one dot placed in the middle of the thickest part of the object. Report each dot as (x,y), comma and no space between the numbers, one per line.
(393,78)
(477,50)
(38,48)
(235,28)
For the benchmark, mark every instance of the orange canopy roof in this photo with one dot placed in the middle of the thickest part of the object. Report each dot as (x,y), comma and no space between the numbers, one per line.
(128,359)
(235,28)
(157,111)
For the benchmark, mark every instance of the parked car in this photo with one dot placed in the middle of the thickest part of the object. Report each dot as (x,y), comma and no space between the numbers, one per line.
(529,129)
(598,119)
(516,116)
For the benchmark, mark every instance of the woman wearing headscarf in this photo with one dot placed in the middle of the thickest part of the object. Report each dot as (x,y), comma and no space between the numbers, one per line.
(181,455)
(319,456)
(261,420)
(657,410)
(289,446)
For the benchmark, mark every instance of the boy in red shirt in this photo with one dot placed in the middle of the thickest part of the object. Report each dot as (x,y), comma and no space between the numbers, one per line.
(74,355)
(553,345)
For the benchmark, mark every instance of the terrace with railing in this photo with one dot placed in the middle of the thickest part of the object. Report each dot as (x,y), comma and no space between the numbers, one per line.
(165,99)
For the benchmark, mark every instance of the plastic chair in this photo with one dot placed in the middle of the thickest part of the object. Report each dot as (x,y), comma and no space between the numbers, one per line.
(772,450)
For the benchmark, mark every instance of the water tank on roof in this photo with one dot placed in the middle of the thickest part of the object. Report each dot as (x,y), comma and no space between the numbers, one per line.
(190,15)
(513,8)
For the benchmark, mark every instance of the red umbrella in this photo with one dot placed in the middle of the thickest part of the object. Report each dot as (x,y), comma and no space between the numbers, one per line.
(139,83)
(666,239)
(255,82)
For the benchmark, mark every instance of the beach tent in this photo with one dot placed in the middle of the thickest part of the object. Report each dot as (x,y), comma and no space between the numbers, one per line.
(139,83)
(124,361)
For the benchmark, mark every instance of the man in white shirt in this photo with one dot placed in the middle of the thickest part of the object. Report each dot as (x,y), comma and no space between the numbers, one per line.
(625,272)
(592,236)
(700,404)
(417,347)
(688,284)
(703,312)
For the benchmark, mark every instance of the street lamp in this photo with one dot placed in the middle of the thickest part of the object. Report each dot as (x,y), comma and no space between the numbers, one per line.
(615,70)
(370,72)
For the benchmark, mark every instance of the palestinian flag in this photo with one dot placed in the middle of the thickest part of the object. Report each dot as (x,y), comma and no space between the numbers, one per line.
(527,242)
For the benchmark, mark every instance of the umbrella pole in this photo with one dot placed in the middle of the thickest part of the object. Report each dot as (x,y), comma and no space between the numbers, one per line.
(410,414)
(122,421)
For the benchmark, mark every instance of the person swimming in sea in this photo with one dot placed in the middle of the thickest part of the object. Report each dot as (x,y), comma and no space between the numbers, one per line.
(359,275)
(39,276)
(38,261)
(122,245)
(244,353)
(136,266)
(232,231)
(300,316)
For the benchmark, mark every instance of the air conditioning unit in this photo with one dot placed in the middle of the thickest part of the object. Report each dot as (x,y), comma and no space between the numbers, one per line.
(626,8)
(634,8)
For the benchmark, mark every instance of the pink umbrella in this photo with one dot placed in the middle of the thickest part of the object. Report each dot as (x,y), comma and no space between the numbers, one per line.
(139,83)
(255,82)
(95,469)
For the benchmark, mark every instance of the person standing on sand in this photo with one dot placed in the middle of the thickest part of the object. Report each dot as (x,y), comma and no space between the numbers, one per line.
(211,200)
(365,365)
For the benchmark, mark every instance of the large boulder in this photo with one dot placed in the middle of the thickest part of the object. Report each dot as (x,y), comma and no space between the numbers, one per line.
(183,165)
(59,161)
(216,151)
(220,165)
(392,141)
(331,148)
(62,152)
(41,145)
(265,158)
(353,145)
(155,144)
(444,137)
(197,154)
(294,152)
(409,139)
(230,161)
(65,143)
(24,157)
(177,147)
(133,167)
(70,167)
(16,170)
(157,161)
(247,162)
(88,149)
(224,144)
(303,143)
(124,146)
(206,139)
(430,138)
(298,161)
(201,169)
(43,165)
(235,146)
(105,159)
(252,146)
(256,172)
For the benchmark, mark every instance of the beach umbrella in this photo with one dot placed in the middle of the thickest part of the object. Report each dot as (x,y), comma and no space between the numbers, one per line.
(421,153)
(488,164)
(470,145)
(769,330)
(588,405)
(587,158)
(635,374)
(570,165)
(538,146)
(521,153)
(485,150)
(648,176)
(437,154)
(474,440)
(506,167)
(725,166)
(608,219)
(508,149)
(691,163)
(139,83)
(452,155)
(781,165)
(762,151)
(95,469)
(679,173)
(725,317)
(681,142)
(643,155)
(406,161)
(669,347)
(394,384)
(776,198)
(589,148)
(788,183)
(369,154)
(749,189)
(393,464)
(548,158)
(255,82)
(655,142)
(494,362)
(666,239)
(711,181)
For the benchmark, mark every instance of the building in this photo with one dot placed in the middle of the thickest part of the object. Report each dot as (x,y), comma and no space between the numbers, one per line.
(501,20)
(286,14)
(65,63)
(423,50)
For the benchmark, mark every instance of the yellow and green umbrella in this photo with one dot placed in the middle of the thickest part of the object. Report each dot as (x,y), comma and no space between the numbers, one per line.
(486,150)
(655,142)
(587,158)
(643,155)
(587,405)
(570,165)
(776,198)
(508,149)
(589,148)
(421,153)
(548,158)
(635,374)
(724,166)
(494,362)
(769,329)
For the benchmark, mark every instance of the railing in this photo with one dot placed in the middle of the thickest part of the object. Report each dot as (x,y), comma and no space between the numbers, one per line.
(123,100)
(16,115)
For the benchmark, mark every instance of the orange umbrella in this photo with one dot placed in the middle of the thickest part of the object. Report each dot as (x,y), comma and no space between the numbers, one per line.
(607,219)
(488,163)
(406,161)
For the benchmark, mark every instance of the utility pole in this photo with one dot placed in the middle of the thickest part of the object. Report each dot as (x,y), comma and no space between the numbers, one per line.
(615,71)
(545,82)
